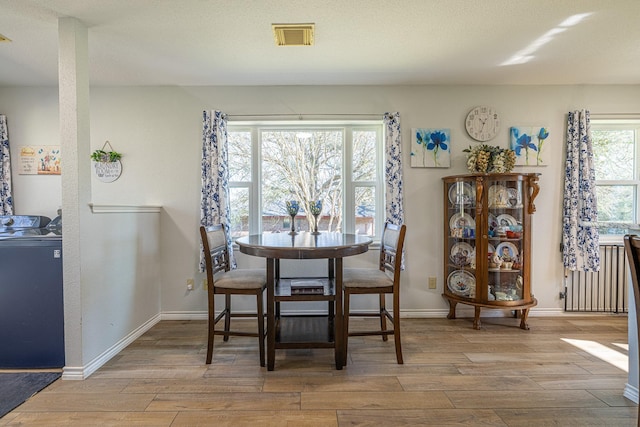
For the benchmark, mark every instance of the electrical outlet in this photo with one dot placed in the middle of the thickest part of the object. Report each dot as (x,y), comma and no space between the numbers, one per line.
(433,282)
(205,284)
(190,284)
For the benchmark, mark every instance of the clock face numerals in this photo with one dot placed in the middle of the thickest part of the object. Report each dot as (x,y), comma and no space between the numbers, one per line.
(482,123)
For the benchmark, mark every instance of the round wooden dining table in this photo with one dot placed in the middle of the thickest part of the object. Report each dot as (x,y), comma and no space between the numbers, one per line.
(332,246)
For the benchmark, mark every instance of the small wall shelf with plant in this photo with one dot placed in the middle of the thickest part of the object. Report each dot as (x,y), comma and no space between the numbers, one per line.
(106,163)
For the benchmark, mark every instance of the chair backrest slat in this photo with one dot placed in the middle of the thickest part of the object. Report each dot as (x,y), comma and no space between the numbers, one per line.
(214,242)
(391,247)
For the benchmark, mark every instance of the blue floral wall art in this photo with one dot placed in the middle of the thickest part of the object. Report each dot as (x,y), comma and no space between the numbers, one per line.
(529,142)
(430,148)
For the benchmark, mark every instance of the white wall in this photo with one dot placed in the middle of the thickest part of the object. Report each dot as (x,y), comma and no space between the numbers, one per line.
(120,278)
(32,119)
(158,130)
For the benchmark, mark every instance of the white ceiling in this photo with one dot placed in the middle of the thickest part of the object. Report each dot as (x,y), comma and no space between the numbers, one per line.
(378,42)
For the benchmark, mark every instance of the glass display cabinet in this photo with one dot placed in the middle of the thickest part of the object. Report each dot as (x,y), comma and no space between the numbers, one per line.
(487,242)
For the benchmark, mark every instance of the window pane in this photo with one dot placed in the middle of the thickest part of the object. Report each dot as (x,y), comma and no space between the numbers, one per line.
(613,154)
(302,165)
(239,156)
(364,155)
(365,210)
(239,201)
(616,202)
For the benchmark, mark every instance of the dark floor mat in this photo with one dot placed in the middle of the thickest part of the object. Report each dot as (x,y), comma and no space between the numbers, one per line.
(16,388)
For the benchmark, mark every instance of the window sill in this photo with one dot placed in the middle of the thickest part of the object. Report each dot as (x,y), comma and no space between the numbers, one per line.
(612,239)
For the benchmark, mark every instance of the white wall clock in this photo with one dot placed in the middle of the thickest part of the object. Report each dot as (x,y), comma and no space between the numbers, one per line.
(482,123)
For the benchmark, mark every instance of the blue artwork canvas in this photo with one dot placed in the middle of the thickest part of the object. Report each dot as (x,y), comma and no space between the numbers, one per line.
(528,144)
(430,148)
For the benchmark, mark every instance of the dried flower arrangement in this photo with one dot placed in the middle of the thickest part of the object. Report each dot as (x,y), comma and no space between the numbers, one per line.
(490,159)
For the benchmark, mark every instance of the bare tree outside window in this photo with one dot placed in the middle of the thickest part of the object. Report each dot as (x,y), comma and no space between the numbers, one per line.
(305,166)
(364,175)
(240,172)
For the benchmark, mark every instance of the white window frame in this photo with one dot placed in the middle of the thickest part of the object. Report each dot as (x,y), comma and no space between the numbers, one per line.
(349,186)
(622,124)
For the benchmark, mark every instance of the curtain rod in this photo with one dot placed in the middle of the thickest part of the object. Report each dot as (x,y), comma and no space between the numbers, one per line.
(300,116)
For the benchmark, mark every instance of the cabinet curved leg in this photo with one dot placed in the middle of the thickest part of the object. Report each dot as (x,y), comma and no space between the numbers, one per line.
(476,318)
(452,309)
(523,319)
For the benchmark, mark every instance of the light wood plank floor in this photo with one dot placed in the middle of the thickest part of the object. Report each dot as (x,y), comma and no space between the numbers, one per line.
(565,371)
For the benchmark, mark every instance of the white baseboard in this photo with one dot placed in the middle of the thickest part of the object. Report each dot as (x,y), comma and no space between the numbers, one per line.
(631,393)
(184,315)
(423,314)
(462,311)
(465,311)
(74,373)
(83,372)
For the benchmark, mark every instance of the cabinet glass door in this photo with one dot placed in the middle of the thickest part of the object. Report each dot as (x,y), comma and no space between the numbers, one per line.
(505,240)
(461,265)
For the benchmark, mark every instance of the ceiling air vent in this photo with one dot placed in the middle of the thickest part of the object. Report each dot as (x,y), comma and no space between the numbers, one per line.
(4,39)
(293,34)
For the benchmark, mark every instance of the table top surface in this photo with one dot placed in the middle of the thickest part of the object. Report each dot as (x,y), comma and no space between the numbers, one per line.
(304,245)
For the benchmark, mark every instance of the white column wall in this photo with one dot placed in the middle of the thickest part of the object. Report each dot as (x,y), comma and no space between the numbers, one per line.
(76,191)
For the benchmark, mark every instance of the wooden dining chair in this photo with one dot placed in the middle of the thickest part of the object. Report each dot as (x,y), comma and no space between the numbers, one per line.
(222,280)
(632,249)
(381,281)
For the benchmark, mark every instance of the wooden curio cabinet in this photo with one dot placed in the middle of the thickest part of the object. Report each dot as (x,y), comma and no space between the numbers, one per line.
(487,242)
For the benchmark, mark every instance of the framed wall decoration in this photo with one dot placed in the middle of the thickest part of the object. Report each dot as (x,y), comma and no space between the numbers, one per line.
(106,163)
(528,142)
(40,160)
(430,148)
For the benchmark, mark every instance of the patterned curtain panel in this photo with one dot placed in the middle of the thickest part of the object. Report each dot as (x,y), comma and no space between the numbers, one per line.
(580,238)
(394,190)
(6,200)
(394,207)
(214,200)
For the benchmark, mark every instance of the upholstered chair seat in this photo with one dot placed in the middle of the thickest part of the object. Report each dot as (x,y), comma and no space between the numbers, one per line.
(366,278)
(241,279)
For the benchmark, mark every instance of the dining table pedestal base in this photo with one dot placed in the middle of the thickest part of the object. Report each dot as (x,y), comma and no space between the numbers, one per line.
(293,332)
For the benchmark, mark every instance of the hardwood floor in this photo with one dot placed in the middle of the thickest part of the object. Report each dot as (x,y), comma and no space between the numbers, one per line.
(453,375)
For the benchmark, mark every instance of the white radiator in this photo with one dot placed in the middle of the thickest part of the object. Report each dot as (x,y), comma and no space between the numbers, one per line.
(604,291)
